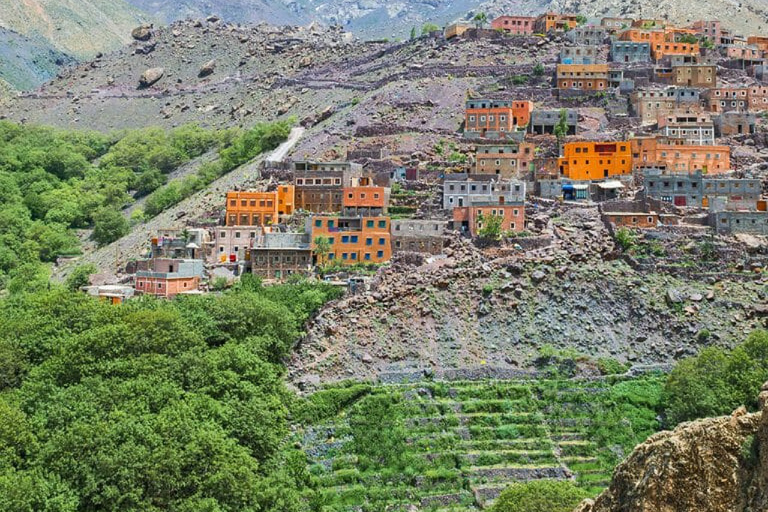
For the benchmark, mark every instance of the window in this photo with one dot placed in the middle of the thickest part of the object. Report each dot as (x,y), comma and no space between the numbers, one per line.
(318,223)
(223,234)
(380,254)
(344,256)
(369,241)
(237,234)
(353,239)
(330,240)
(368,255)
(381,241)
(353,256)
(345,239)
(331,223)
(382,224)
(331,256)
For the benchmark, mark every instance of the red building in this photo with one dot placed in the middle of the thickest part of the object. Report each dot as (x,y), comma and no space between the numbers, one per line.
(516,25)
(472,218)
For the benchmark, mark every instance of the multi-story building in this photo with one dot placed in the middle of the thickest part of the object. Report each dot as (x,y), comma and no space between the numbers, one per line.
(712,30)
(553,22)
(694,75)
(630,51)
(366,201)
(276,255)
(180,243)
(613,25)
(680,189)
(758,98)
(739,222)
(748,54)
(418,235)
(471,219)
(494,118)
(579,54)
(506,161)
(545,121)
(462,191)
(515,25)
(693,129)
(760,42)
(593,77)
(652,105)
(720,99)
(351,240)
(250,208)
(587,35)
(595,160)
(165,277)
(320,185)
(232,243)
(662,42)
(674,157)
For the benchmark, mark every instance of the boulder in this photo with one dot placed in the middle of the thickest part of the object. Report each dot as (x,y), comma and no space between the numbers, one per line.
(207,69)
(142,33)
(150,77)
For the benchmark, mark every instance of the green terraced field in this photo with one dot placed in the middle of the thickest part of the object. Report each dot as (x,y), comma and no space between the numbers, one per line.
(454,446)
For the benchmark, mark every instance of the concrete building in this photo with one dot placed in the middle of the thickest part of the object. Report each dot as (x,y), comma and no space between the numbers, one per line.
(734,123)
(630,214)
(365,201)
(232,243)
(505,161)
(352,240)
(463,191)
(180,243)
(493,119)
(720,99)
(694,75)
(655,104)
(319,185)
(593,77)
(693,129)
(554,22)
(167,278)
(665,153)
(579,55)
(613,25)
(514,25)
(587,35)
(544,121)
(758,98)
(276,255)
(113,294)
(595,160)
(418,235)
(678,189)
(252,208)
(471,219)
(630,51)
(733,222)
(712,30)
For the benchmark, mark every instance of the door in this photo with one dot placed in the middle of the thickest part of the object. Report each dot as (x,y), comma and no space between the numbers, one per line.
(680,201)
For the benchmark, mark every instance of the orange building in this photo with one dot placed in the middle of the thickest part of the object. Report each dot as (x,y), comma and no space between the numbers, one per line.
(366,201)
(486,117)
(555,22)
(259,208)
(676,157)
(471,218)
(352,240)
(165,277)
(517,25)
(662,41)
(595,160)
(586,77)
(639,220)
(761,42)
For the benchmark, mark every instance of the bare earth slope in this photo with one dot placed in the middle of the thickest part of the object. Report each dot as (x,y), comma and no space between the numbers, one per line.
(712,465)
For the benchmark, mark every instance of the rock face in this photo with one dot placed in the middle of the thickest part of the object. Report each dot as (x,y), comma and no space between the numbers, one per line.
(151,76)
(142,33)
(712,465)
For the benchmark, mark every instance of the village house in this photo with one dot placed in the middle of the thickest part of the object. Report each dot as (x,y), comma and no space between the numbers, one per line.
(250,208)
(734,222)
(592,77)
(759,42)
(631,217)
(418,235)
(163,277)
(505,161)
(614,25)
(693,75)
(232,243)
(595,160)
(570,190)
(463,190)
(651,105)
(692,129)
(180,243)
(470,219)
(544,121)
(493,119)
(662,42)
(649,23)
(712,30)
(630,51)
(365,201)
(455,30)
(277,255)
(675,157)
(114,294)
(515,25)
(587,35)
(351,240)
(720,99)
(579,54)
(554,22)
(319,186)
(748,55)
(734,123)
(758,98)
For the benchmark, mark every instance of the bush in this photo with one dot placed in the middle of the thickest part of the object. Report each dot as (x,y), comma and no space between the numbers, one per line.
(540,496)
(717,381)
(108,225)
(626,238)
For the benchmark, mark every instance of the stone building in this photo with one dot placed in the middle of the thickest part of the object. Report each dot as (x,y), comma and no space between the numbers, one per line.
(418,235)
(319,186)
(544,121)
(506,161)
(276,255)
(630,52)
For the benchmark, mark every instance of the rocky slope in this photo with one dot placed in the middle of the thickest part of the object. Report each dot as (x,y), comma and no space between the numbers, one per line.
(712,465)
(81,28)
(28,63)
(491,313)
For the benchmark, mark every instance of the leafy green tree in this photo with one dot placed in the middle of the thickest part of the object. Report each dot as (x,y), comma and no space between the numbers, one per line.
(490,226)
(626,238)
(378,432)
(428,28)
(480,19)
(538,69)
(540,496)
(581,19)
(561,128)
(108,226)
(80,276)
(413,33)
(322,247)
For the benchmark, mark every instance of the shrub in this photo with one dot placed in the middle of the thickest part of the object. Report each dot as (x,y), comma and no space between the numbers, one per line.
(626,238)
(540,496)
(108,225)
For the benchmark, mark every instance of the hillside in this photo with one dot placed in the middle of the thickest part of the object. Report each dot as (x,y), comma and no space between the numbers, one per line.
(81,28)
(28,63)
(716,464)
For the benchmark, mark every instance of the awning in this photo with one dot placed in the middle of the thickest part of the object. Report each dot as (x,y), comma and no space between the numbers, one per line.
(567,186)
(610,185)
(581,186)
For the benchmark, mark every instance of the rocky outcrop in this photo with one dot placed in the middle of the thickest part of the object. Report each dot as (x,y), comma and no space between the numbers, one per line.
(207,69)
(150,77)
(711,465)
(142,33)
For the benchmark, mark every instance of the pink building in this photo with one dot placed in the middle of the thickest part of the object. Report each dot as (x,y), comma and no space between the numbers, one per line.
(517,25)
